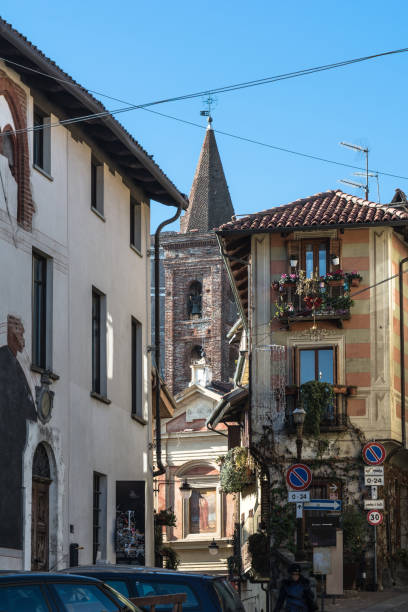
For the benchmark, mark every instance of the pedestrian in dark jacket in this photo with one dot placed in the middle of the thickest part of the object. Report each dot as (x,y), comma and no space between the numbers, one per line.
(295,593)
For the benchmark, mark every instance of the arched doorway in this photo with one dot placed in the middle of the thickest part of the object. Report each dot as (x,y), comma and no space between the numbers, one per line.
(40,510)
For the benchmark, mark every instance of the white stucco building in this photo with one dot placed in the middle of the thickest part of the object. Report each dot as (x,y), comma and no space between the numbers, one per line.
(75,417)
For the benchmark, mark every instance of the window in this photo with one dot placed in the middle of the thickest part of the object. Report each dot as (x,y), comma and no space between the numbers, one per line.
(315,257)
(194,300)
(203,511)
(97,186)
(42,141)
(317,364)
(41,311)
(135,224)
(82,596)
(137,369)
(98,342)
(23,597)
(8,145)
(99,517)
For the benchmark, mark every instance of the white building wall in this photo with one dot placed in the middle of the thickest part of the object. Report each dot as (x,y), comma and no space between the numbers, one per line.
(86,252)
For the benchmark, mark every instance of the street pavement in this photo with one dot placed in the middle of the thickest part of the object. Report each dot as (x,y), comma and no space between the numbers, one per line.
(395,600)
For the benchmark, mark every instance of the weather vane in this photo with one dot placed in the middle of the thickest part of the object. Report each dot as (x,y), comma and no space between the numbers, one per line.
(210,101)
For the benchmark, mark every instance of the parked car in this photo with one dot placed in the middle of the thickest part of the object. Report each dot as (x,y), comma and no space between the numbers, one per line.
(204,592)
(41,592)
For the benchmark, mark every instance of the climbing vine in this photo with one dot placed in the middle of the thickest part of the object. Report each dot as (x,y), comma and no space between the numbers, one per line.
(316,397)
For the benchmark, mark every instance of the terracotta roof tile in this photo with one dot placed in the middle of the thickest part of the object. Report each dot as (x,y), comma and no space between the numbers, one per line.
(327,208)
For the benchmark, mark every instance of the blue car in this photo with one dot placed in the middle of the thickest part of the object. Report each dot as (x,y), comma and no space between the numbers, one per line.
(41,592)
(205,593)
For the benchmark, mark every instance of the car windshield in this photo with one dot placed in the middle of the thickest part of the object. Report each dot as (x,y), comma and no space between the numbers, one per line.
(228,597)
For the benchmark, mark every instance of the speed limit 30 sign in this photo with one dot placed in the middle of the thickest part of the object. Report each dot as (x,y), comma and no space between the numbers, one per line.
(375,518)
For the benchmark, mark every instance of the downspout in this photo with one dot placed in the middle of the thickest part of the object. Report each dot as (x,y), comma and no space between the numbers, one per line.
(402,350)
(160,467)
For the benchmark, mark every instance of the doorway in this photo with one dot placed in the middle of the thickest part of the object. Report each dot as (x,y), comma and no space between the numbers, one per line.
(40,511)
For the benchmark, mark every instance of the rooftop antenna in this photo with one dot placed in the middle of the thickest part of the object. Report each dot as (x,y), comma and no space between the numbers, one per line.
(362,150)
(371,175)
(359,185)
(210,101)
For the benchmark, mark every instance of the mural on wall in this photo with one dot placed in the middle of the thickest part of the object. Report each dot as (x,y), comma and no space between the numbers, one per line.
(203,515)
(130,522)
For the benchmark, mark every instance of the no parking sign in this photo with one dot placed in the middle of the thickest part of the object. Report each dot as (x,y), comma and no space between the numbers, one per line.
(299,476)
(374,453)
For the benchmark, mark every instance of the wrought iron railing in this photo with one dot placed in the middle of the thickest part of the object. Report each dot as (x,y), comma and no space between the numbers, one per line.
(333,301)
(335,413)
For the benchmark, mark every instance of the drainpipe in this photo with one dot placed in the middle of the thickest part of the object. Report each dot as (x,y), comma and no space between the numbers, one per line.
(160,467)
(402,350)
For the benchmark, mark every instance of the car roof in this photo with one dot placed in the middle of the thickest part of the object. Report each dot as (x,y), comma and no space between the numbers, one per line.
(11,576)
(136,569)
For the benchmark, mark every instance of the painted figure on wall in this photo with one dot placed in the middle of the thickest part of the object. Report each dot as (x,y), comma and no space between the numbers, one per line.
(203,518)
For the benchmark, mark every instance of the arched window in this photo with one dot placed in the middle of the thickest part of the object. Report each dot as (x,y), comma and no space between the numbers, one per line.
(8,148)
(41,464)
(197,354)
(194,300)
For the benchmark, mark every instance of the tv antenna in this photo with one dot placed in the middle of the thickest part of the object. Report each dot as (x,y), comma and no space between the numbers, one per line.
(371,175)
(353,183)
(362,150)
(210,102)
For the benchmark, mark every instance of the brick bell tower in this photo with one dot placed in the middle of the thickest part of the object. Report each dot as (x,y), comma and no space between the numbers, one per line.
(199,305)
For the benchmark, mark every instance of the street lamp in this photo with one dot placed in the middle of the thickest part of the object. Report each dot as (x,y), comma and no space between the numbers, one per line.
(213,548)
(185,490)
(299,415)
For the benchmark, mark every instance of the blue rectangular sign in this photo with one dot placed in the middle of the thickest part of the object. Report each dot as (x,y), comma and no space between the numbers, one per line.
(323,504)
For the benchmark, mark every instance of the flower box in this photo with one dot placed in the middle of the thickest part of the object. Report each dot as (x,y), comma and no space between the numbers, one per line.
(355,282)
(352,390)
(340,389)
(336,283)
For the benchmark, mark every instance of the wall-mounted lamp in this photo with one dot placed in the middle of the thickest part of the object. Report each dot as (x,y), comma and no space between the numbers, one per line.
(335,260)
(293,262)
(185,490)
(213,548)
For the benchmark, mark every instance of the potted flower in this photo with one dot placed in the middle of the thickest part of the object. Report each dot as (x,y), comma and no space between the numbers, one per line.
(352,390)
(288,280)
(335,278)
(354,278)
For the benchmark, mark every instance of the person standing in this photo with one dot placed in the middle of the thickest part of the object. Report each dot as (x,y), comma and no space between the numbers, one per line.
(295,593)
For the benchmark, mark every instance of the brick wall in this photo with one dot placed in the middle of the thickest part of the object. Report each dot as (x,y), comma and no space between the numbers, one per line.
(17,102)
(196,257)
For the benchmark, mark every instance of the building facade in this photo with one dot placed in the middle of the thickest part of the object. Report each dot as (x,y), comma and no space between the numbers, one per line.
(321,303)
(75,405)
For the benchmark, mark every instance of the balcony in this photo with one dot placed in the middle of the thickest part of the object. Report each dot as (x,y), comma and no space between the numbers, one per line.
(334,417)
(309,299)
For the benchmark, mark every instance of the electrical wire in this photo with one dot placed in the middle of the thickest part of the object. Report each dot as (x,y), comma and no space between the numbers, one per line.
(235,87)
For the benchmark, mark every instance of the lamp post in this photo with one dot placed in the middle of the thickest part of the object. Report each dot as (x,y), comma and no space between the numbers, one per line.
(299,415)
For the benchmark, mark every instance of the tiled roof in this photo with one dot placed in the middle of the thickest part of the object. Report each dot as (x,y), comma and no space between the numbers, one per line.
(39,61)
(210,200)
(327,208)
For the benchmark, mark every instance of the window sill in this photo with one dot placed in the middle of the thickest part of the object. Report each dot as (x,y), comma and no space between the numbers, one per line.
(100,398)
(43,172)
(139,419)
(39,370)
(98,214)
(136,250)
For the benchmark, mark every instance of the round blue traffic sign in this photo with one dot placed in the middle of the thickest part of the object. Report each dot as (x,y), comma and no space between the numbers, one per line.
(374,453)
(299,476)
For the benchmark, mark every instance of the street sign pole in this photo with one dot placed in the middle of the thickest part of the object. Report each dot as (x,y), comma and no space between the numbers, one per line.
(375,558)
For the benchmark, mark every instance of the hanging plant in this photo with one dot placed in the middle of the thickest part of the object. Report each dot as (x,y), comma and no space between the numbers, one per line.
(258,548)
(165,517)
(316,397)
(236,472)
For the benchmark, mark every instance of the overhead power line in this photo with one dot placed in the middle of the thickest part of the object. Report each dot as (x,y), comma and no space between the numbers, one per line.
(224,89)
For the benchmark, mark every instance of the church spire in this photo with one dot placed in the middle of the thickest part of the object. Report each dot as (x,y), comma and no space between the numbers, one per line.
(210,201)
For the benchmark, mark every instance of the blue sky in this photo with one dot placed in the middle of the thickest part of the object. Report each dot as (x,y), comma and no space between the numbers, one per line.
(143,51)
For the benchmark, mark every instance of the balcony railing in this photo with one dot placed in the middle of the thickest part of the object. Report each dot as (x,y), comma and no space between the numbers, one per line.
(335,413)
(331,301)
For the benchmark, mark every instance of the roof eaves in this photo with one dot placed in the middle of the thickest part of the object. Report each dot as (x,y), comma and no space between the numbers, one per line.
(47,65)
